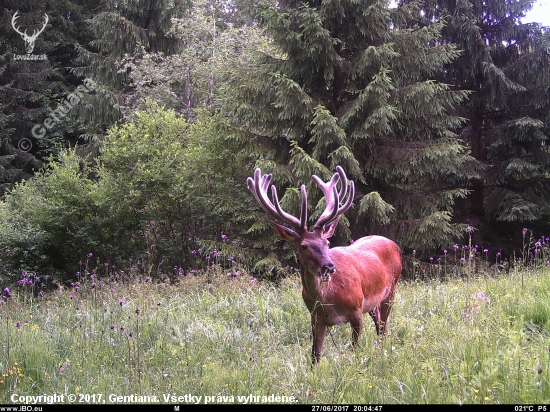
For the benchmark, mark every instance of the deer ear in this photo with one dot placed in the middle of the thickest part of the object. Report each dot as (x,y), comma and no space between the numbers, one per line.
(286,233)
(329,231)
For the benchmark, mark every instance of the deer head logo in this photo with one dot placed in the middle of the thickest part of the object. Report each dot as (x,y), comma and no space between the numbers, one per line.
(29,40)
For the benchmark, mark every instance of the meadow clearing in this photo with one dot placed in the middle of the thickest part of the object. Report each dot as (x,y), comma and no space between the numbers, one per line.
(477,338)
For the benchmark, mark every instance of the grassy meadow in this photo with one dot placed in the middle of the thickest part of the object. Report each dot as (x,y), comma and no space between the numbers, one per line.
(480,339)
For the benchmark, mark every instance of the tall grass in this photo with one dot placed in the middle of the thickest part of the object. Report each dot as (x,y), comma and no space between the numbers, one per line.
(485,340)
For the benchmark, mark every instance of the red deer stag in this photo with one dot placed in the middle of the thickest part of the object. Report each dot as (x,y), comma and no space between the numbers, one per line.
(340,284)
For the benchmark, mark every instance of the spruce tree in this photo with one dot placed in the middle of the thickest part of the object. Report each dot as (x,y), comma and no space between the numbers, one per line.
(213,39)
(31,89)
(349,83)
(122,32)
(506,66)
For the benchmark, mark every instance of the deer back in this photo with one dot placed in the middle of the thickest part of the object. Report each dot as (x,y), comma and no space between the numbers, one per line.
(365,274)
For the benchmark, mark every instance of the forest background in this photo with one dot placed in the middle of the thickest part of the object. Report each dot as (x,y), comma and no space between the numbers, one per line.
(159,110)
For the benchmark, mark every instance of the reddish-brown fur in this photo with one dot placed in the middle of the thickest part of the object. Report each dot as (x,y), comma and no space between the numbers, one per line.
(365,279)
(340,284)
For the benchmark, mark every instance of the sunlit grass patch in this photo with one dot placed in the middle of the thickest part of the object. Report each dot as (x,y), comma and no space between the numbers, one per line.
(477,340)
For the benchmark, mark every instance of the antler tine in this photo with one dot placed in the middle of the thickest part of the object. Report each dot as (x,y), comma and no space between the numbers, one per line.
(259,185)
(303,210)
(344,180)
(13,19)
(259,190)
(37,32)
(281,214)
(349,200)
(333,197)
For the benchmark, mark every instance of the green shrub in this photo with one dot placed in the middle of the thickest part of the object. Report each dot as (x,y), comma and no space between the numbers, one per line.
(159,190)
(48,222)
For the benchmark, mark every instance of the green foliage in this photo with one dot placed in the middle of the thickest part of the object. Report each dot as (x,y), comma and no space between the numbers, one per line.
(437,109)
(159,190)
(119,33)
(377,210)
(30,89)
(506,64)
(357,92)
(212,40)
(484,341)
(180,176)
(50,221)
(140,172)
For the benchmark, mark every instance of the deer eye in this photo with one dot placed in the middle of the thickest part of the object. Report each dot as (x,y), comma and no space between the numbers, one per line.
(303,246)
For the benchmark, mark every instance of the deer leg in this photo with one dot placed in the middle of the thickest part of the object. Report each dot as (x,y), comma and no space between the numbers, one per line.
(319,331)
(375,315)
(356,322)
(385,309)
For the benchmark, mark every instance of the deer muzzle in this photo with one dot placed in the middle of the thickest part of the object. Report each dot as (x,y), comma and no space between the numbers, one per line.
(326,271)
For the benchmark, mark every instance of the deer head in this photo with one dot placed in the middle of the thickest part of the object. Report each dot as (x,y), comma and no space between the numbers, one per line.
(312,246)
(29,40)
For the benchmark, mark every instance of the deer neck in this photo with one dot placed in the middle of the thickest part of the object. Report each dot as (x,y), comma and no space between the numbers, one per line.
(311,283)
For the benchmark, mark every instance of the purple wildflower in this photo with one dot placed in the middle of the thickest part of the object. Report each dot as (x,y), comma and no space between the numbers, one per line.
(481,296)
